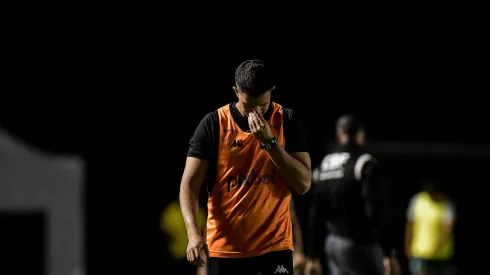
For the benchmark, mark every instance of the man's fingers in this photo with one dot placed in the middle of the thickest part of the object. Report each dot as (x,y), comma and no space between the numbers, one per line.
(201,258)
(189,255)
(196,260)
(203,253)
(206,250)
(193,255)
(251,125)
(252,122)
(257,122)
(249,118)
(260,118)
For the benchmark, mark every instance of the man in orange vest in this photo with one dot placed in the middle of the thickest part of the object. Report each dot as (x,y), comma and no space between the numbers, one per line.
(249,154)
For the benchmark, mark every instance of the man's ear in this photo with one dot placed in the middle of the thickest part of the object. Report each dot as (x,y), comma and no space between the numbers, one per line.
(235,89)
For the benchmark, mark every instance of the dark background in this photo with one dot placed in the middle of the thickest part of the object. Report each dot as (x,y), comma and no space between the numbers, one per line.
(131,116)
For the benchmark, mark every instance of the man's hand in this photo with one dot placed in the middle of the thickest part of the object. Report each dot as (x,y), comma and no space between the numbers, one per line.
(295,168)
(299,260)
(387,265)
(392,267)
(313,267)
(259,127)
(197,250)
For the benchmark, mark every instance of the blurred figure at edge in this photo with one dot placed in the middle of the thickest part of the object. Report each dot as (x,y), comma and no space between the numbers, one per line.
(429,232)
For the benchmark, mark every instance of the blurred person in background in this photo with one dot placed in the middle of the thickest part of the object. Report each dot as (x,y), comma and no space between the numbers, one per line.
(429,232)
(173,226)
(347,202)
(250,154)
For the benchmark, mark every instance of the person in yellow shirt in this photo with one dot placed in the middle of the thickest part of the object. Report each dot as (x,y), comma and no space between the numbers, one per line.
(429,232)
(172,224)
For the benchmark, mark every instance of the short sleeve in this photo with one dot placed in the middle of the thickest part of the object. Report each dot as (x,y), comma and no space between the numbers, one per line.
(202,143)
(450,212)
(410,209)
(294,132)
(365,168)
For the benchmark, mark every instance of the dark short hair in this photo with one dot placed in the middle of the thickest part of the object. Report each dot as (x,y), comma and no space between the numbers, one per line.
(349,125)
(434,184)
(431,186)
(254,78)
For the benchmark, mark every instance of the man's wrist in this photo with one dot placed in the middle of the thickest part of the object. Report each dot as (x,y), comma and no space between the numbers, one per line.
(268,139)
(268,144)
(193,232)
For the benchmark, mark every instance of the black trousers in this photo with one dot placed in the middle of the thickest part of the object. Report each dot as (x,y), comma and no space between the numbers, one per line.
(279,262)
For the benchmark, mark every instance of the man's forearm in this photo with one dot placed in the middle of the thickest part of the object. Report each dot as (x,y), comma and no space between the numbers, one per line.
(296,173)
(408,237)
(189,205)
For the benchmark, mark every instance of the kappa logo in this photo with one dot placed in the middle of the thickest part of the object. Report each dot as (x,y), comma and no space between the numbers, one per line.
(236,144)
(281,270)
